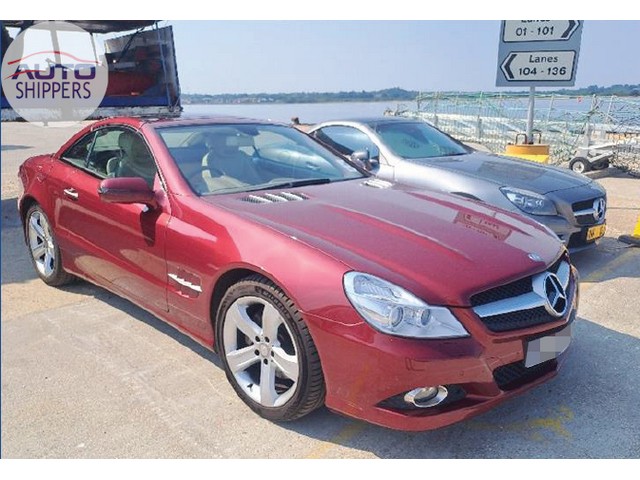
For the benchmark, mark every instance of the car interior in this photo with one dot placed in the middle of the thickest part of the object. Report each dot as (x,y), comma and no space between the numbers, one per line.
(113,152)
(133,159)
(221,159)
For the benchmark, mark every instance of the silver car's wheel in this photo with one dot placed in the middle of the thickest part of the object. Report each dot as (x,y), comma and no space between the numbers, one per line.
(268,354)
(43,248)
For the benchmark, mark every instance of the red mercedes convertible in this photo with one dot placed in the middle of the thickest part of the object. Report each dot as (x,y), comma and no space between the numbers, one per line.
(316,283)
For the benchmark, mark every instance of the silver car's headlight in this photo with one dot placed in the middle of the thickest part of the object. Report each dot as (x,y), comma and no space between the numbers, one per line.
(529,202)
(393,310)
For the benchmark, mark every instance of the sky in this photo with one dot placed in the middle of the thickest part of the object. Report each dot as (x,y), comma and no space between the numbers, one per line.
(343,55)
(249,48)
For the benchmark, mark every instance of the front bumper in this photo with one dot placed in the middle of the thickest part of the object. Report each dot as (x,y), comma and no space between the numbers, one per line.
(575,215)
(574,237)
(367,372)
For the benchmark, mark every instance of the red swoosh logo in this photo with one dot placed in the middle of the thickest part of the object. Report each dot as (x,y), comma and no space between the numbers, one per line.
(54,52)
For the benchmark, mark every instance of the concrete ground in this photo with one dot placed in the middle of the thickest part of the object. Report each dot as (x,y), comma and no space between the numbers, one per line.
(87,374)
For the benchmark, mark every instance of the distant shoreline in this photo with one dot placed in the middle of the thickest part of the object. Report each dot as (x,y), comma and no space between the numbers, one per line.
(391,100)
(386,95)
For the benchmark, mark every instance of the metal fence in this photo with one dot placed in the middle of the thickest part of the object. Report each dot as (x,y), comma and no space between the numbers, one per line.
(564,122)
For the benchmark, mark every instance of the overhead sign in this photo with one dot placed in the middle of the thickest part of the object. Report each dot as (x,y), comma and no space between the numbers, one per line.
(538,53)
(538,30)
(539,66)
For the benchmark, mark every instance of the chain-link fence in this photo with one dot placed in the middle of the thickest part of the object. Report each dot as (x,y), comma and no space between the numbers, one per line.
(564,122)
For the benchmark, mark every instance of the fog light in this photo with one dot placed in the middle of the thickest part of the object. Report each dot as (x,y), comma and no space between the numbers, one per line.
(426,397)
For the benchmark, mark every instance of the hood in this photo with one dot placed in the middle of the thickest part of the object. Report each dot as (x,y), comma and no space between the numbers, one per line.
(509,171)
(440,247)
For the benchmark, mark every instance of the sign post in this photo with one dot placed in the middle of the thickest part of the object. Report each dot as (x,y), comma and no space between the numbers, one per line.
(538,53)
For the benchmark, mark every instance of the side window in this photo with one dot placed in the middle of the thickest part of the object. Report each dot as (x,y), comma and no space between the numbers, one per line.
(347,140)
(120,152)
(105,151)
(78,152)
(113,152)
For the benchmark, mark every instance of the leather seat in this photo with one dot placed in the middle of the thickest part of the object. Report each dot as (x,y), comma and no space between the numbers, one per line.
(135,159)
(225,159)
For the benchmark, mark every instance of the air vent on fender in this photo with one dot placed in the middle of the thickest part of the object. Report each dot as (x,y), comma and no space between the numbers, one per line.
(377,183)
(275,197)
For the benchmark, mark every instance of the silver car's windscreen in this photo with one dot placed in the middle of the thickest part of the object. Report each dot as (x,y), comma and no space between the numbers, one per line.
(414,140)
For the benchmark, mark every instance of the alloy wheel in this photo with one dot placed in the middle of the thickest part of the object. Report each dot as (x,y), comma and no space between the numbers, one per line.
(260,351)
(41,243)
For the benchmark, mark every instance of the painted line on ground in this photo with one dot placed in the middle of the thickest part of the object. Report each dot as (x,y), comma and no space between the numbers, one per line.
(601,273)
(554,426)
(345,434)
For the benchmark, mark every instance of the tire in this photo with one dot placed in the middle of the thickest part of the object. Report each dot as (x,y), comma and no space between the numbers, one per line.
(260,333)
(580,165)
(601,165)
(43,248)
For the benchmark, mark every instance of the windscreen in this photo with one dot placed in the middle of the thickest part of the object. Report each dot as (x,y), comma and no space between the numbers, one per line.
(414,140)
(230,158)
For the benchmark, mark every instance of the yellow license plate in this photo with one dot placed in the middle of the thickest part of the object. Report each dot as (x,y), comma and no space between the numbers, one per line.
(596,232)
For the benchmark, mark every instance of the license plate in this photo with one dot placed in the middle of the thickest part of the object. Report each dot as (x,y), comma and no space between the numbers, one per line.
(596,232)
(545,348)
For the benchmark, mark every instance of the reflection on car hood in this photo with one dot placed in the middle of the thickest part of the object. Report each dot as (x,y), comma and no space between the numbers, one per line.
(508,171)
(438,246)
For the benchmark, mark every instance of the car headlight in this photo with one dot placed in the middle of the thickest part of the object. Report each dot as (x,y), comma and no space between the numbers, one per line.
(391,309)
(529,202)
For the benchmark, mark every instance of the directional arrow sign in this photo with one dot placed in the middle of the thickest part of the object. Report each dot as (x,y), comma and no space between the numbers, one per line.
(538,30)
(540,66)
(538,53)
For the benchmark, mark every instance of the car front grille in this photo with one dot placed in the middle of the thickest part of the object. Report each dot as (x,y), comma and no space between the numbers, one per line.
(518,304)
(584,211)
(513,289)
(517,320)
(515,375)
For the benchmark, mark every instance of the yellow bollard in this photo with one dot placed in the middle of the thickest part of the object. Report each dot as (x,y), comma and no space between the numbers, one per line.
(534,152)
(634,238)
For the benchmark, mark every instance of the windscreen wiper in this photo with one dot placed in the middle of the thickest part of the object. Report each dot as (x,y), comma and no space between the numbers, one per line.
(289,184)
(296,183)
(454,154)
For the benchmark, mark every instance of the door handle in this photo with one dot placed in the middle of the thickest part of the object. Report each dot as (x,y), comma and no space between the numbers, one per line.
(71,193)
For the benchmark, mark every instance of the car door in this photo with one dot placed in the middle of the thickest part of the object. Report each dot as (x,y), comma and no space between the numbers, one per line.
(118,245)
(347,140)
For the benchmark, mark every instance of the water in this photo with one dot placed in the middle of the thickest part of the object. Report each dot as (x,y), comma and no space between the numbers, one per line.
(306,112)
(560,108)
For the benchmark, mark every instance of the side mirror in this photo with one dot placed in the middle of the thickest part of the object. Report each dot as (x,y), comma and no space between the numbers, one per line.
(363,158)
(127,190)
